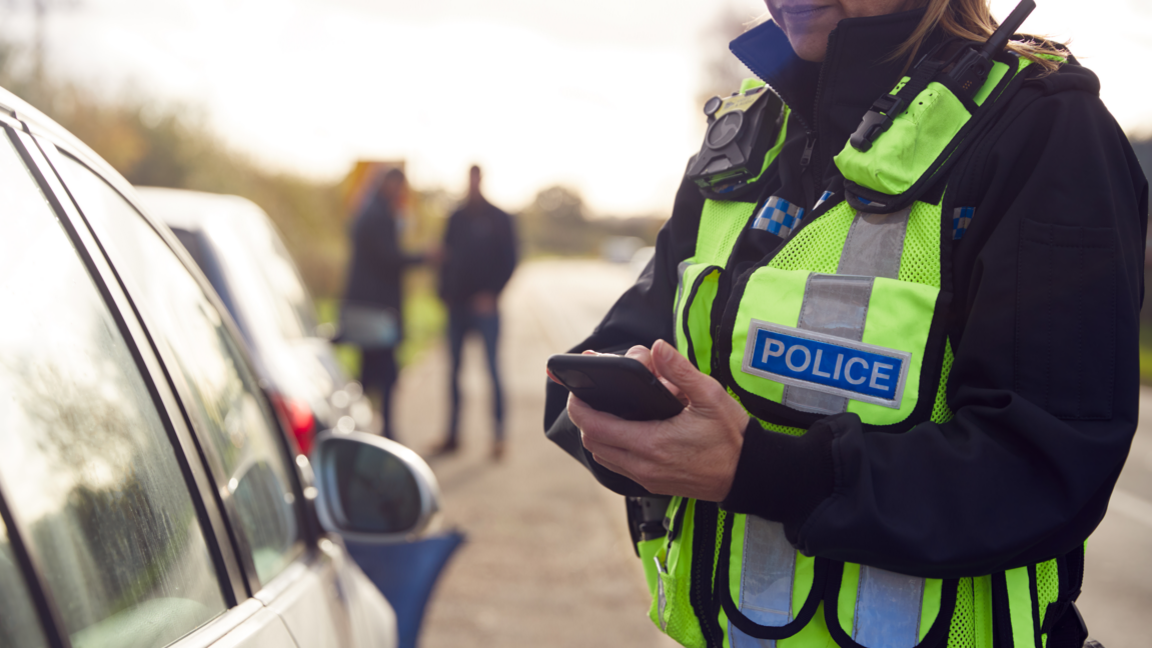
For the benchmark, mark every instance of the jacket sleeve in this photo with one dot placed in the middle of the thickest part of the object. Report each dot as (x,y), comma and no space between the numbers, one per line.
(641,315)
(1046,294)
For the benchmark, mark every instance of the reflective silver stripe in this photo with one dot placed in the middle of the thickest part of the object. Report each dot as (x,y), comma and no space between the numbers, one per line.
(888,604)
(888,609)
(838,304)
(875,244)
(835,305)
(738,639)
(661,600)
(767,575)
(676,332)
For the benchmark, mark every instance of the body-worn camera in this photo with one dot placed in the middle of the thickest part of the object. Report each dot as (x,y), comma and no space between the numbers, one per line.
(741,130)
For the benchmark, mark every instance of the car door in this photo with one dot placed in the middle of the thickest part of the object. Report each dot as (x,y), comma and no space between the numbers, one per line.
(286,566)
(107,539)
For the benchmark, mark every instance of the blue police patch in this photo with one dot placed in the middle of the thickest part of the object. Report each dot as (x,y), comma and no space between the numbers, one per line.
(826,363)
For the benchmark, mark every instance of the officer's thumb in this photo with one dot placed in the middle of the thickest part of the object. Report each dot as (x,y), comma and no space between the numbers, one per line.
(679,371)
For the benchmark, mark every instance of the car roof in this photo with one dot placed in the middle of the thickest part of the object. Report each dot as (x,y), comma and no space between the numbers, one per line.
(37,120)
(194,210)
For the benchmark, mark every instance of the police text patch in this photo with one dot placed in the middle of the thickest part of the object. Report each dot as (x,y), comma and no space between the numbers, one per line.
(826,363)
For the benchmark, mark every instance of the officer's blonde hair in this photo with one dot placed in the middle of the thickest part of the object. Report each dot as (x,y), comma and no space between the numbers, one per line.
(972,20)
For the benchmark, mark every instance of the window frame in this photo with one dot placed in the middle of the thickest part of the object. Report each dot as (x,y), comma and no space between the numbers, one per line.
(95,266)
(34,581)
(40,145)
(233,569)
(200,448)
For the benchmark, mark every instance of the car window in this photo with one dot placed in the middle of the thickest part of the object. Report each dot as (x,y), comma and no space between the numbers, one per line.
(19,625)
(267,283)
(228,409)
(86,465)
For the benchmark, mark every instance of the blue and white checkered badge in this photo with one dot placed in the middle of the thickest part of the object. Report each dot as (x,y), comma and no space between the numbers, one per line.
(778,217)
(961,219)
(823,198)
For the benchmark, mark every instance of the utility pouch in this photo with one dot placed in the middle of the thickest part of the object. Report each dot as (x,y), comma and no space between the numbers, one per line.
(868,607)
(766,588)
(926,124)
(845,318)
(700,285)
(672,564)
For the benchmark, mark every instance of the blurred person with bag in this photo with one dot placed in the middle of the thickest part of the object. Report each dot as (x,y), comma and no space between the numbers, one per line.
(371,315)
(478,257)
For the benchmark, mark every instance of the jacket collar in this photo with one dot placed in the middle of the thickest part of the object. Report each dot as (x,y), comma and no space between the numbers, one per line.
(831,98)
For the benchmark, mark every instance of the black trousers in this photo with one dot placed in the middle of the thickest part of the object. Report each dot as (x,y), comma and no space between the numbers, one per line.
(378,374)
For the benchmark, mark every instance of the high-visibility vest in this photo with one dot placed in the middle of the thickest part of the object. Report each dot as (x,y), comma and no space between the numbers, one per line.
(843,318)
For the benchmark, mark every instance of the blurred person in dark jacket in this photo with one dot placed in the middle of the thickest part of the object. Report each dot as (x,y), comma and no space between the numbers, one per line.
(479,254)
(372,313)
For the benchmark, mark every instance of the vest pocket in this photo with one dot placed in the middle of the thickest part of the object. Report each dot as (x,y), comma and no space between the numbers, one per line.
(671,608)
(767,589)
(868,607)
(699,285)
(804,345)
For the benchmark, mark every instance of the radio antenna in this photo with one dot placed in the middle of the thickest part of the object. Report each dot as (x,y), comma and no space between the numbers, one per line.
(1000,37)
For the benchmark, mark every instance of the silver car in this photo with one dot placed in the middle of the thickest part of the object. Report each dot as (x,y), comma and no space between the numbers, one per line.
(148,496)
(239,251)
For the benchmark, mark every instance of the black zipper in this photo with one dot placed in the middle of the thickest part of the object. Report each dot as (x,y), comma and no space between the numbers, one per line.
(812,135)
(811,128)
(809,145)
(700,593)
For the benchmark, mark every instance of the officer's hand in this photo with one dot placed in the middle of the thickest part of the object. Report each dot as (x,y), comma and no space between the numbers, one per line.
(644,355)
(692,454)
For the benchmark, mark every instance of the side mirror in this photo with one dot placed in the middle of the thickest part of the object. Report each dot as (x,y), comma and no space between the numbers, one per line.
(372,489)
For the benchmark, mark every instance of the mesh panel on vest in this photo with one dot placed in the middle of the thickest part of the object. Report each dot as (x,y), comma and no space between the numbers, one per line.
(720,518)
(681,621)
(783,429)
(962,632)
(681,625)
(941,413)
(920,262)
(720,223)
(772,427)
(1047,585)
(818,246)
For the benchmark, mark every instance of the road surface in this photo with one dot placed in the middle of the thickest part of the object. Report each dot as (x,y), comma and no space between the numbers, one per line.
(548,562)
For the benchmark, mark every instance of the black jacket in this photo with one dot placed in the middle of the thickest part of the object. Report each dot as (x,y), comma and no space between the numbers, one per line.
(1046,287)
(377,266)
(479,252)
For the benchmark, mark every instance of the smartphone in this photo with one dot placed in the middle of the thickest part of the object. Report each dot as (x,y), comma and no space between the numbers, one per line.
(615,384)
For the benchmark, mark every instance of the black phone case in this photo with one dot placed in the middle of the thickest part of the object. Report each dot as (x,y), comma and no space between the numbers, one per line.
(615,384)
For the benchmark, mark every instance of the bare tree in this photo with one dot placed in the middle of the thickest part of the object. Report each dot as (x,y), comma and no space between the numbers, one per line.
(40,11)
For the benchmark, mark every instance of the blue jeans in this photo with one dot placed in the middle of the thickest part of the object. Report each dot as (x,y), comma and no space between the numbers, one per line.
(461,319)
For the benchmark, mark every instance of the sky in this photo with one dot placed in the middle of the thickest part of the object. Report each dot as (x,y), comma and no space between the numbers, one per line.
(597,95)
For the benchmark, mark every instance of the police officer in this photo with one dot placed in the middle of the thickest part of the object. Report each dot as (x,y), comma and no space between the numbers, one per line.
(907,343)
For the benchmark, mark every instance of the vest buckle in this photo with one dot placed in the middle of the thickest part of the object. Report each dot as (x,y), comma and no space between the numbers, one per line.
(877,120)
